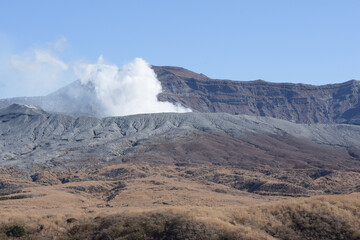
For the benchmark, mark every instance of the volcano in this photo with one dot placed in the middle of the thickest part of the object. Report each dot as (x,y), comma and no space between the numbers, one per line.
(301,103)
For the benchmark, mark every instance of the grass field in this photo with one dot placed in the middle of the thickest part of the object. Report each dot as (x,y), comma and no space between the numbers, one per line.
(170,202)
(320,217)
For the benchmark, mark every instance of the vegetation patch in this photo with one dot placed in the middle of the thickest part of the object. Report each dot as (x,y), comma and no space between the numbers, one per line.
(315,218)
(16,231)
(20,196)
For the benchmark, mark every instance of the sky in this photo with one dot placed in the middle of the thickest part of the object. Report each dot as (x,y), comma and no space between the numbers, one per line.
(300,41)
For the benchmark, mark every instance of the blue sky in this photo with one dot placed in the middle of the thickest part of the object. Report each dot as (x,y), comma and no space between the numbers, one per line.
(315,42)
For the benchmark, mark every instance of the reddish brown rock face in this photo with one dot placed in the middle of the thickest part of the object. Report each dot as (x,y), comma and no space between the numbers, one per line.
(333,103)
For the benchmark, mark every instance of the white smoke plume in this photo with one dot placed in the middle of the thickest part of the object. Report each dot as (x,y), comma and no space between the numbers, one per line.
(105,89)
(131,89)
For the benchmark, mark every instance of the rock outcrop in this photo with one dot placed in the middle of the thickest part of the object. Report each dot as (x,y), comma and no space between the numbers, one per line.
(332,103)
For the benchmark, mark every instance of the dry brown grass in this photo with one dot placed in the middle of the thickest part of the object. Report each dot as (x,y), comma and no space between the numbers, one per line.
(128,201)
(321,217)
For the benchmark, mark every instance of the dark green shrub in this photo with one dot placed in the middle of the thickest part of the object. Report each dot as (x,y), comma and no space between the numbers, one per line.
(16,231)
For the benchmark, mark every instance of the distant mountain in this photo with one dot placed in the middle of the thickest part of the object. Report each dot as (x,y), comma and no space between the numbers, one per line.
(75,99)
(332,103)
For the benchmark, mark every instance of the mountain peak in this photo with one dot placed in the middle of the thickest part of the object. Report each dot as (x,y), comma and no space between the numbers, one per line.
(180,72)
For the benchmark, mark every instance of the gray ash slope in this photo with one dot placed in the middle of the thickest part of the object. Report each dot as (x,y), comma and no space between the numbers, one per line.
(333,103)
(31,136)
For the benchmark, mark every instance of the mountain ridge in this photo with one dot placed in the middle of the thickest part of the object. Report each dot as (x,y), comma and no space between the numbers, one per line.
(302,103)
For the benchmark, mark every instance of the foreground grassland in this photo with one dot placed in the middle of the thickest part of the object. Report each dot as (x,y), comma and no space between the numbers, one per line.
(128,201)
(319,217)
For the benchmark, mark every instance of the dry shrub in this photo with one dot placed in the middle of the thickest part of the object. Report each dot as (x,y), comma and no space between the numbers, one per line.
(329,217)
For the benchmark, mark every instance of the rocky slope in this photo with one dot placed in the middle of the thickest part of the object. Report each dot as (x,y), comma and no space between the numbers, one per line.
(333,103)
(30,136)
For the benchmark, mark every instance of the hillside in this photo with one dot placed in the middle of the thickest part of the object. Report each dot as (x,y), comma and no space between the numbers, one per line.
(31,136)
(236,154)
